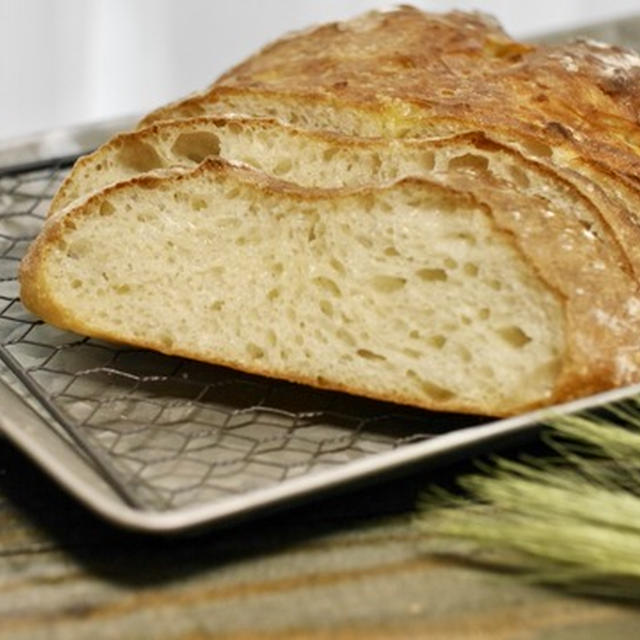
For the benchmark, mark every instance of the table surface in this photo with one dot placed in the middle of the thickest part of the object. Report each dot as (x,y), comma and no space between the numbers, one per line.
(349,566)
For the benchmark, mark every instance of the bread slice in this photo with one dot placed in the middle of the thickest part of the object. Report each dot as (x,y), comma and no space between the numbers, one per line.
(412,292)
(310,158)
(329,160)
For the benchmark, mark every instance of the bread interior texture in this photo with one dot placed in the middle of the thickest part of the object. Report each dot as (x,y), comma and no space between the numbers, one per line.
(408,292)
(316,159)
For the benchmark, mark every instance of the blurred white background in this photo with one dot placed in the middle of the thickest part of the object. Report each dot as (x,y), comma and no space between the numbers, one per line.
(65,62)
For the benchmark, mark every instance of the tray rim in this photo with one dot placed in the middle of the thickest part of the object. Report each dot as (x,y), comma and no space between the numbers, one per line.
(105,503)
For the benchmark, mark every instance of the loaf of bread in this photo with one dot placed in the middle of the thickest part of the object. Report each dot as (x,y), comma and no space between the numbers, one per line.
(445,221)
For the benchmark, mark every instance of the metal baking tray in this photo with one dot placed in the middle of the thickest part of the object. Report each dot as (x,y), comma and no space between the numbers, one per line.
(165,445)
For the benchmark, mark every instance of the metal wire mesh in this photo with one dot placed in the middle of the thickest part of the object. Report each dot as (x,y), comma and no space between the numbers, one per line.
(167,432)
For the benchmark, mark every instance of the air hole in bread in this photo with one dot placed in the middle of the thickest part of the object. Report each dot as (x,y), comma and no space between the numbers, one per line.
(122,289)
(432,275)
(283,167)
(198,204)
(537,149)
(428,160)
(196,146)
(391,252)
(468,238)
(450,263)
(328,285)
(514,336)
(329,153)
(337,266)
(326,307)
(519,176)
(469,162)
(388,284)
(470,269)
(437,341)
(484,313)
(106,208)
(254,351)
(364,241)
(431,389)
(412,353)
(273,294)
(76,283)
(139,157)
(369,355)
(146,216)
(496,285)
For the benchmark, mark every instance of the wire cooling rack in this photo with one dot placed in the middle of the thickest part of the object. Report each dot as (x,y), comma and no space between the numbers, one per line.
(165,444)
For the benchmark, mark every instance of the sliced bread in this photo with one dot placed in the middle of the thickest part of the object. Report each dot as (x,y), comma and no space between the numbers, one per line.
(412,292)
(328,160)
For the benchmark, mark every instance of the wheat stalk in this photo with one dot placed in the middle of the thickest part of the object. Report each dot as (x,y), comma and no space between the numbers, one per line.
(570,519)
